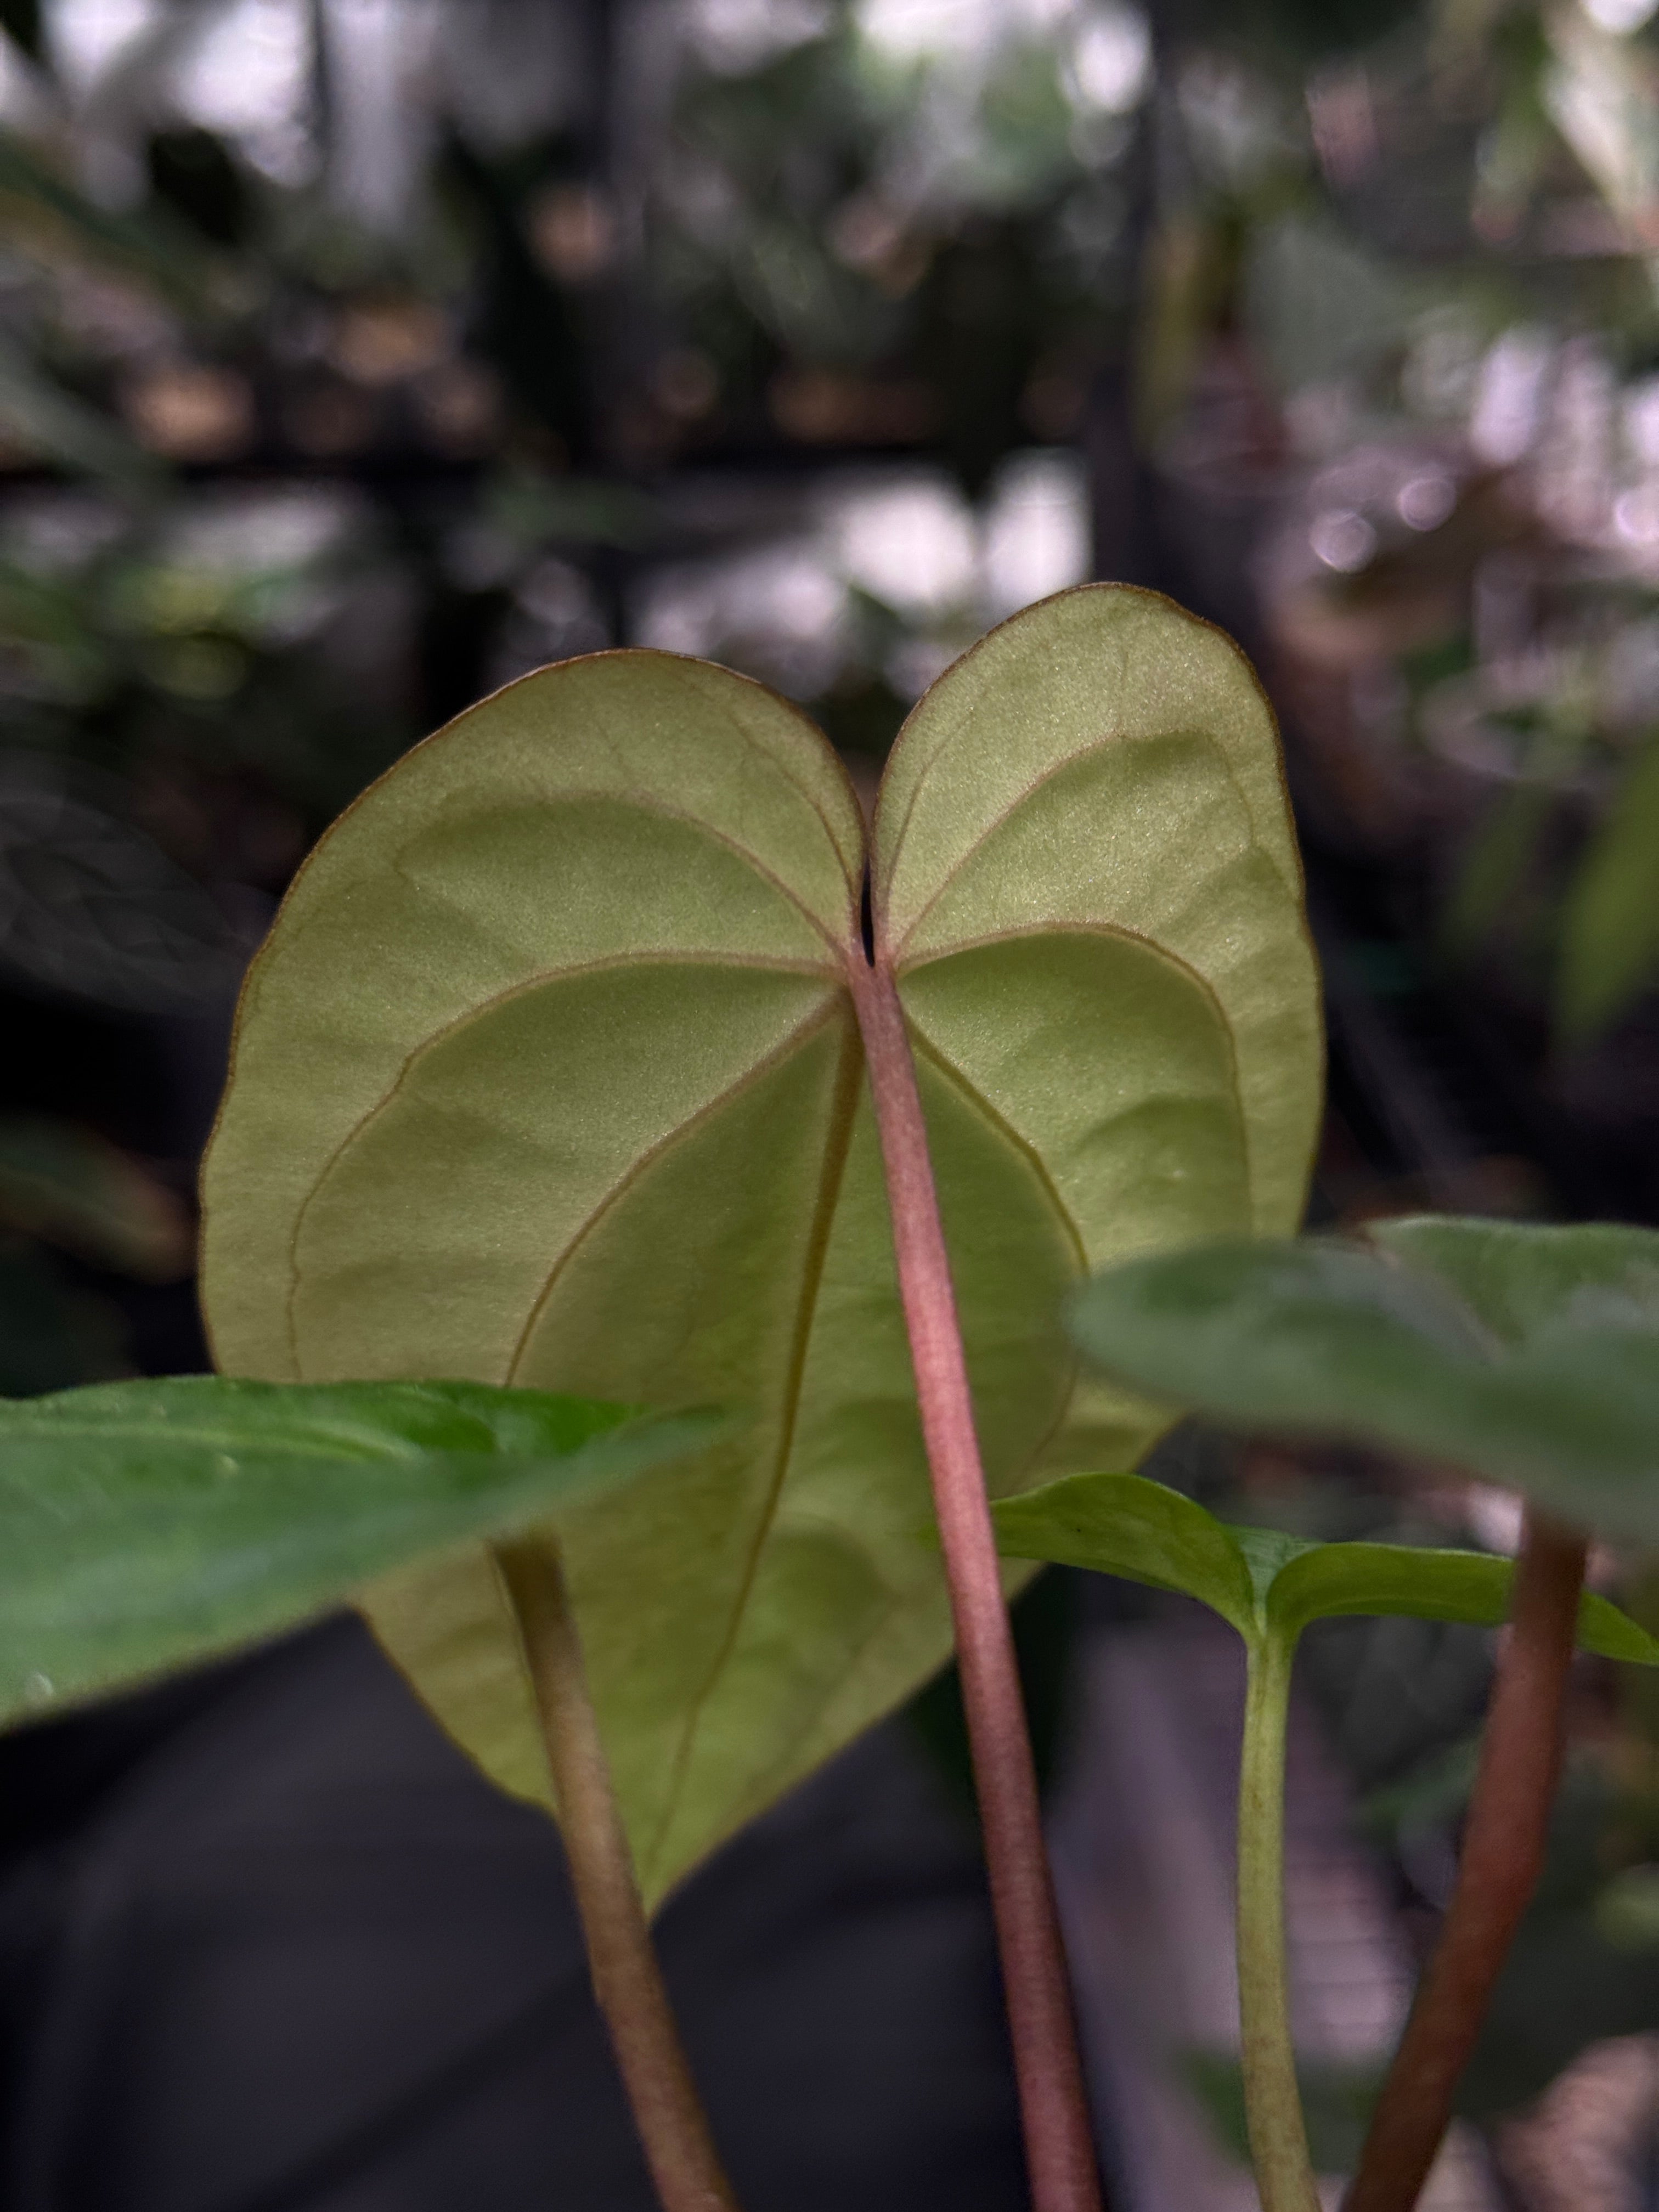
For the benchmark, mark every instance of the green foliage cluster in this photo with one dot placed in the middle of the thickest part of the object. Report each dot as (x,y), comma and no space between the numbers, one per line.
(551,1080)
(1267,1586)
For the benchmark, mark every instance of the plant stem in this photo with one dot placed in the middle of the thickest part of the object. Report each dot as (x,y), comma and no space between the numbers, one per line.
(1503,1843)
(1273,2102)
(673,2128)
(1059,2145)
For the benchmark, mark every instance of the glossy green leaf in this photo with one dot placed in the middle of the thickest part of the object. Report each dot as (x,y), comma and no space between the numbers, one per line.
(1433,1584)
(1122,1524)
(1266,1585)
(143,1524)
(1527,1356)
(549,1073)
(1609,952)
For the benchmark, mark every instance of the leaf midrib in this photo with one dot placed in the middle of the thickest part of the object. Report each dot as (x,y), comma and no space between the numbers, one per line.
(951,1071)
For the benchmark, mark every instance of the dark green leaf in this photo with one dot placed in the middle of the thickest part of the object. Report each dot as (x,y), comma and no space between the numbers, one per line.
(1262,1581)
(144,1524)
(1546,1377)
(1522,1280)
(1330,1579)
(1121,1524)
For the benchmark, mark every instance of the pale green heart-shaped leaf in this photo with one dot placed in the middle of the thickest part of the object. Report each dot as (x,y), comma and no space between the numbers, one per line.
(1264,1583)
(549,1073)
(1529,1356)
(145,1524)
(1094,795)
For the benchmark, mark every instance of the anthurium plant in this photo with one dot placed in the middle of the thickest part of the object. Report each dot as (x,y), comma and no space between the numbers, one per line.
(600,1048)
(601,1058)
(1527,1356)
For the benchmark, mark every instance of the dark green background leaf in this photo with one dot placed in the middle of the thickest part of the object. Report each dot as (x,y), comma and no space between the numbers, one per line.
(1544,1374)
(1522,1280)
(144,1524)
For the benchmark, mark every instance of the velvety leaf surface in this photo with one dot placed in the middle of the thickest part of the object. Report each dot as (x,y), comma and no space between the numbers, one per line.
(149,1523)
(1529,1356)
(548,1073)
(1083,836)
(1264,1583)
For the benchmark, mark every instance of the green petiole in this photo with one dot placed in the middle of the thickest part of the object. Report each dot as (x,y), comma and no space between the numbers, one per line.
(1267,1587)
(1273,2102)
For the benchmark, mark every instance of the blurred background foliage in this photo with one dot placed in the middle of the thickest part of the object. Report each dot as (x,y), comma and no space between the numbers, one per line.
(358,356)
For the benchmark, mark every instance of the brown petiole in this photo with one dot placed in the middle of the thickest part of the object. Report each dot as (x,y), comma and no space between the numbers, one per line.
(1059,2145)
(628,1985)
(1504,1843)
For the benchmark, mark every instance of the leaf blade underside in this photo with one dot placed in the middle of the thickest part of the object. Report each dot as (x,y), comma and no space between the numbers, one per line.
(536,1115)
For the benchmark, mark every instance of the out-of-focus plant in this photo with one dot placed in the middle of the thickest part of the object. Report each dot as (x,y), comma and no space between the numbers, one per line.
(76,1212)
(223,631)
(69,1189)
(208,268)
(876,226)
(1609,950)
(1522,1354)
(1419,241)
